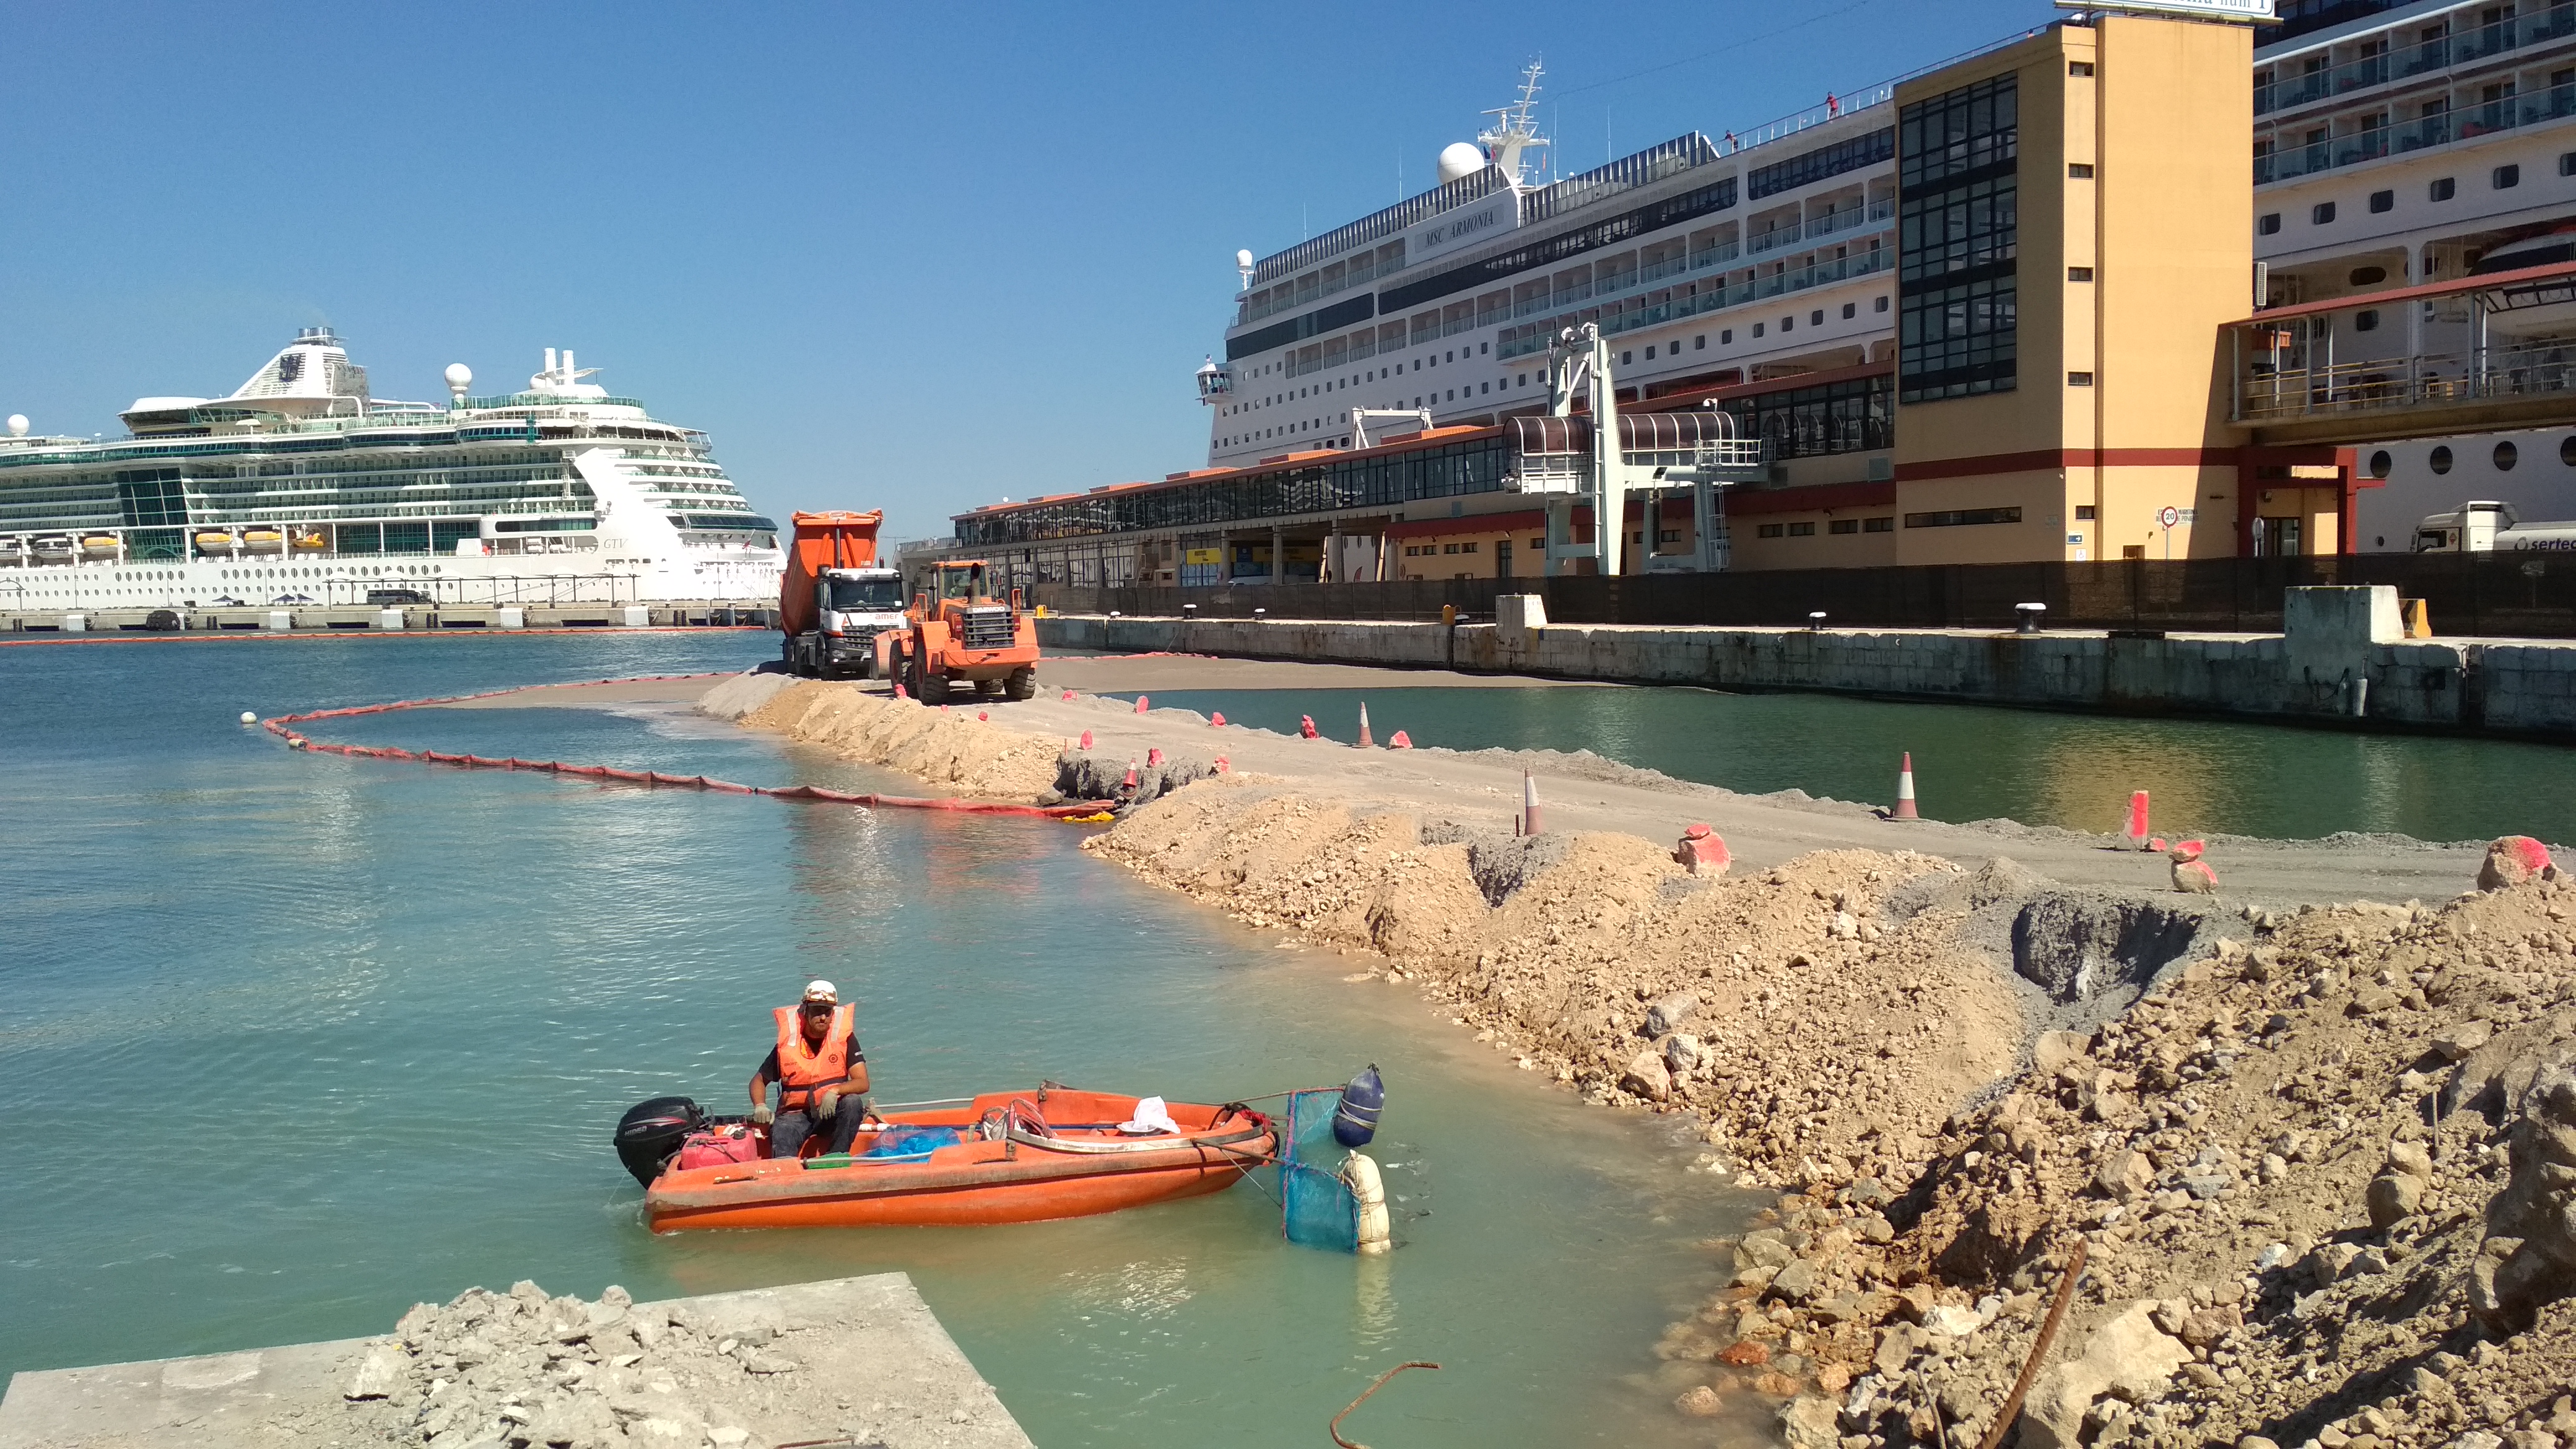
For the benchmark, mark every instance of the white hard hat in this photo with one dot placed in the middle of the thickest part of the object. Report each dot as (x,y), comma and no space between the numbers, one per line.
(819,990)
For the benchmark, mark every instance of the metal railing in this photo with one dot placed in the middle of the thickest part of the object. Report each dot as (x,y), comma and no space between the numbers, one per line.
(2372,142)
(2306,380)
(2404,62)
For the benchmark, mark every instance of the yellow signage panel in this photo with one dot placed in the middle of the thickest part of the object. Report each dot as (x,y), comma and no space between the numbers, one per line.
(1204,556)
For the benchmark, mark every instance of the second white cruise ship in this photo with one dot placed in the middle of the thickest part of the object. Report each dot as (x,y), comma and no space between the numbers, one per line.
(300,487)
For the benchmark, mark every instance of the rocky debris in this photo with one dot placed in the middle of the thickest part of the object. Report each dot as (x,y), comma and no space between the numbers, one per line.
(526,1370)
(2511,861)
(2308,1226)
(2528,1256)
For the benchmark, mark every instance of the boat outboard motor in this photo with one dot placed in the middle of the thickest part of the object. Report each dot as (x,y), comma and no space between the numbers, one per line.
(652,1130)
(1355,1121)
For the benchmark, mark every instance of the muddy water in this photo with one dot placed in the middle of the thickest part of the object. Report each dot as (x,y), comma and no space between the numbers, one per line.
(288,1042)
(1975,763)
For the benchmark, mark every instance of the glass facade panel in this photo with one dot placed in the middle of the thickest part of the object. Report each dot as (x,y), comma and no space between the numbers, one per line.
(1958,241)
(1817,165)
(1853,416)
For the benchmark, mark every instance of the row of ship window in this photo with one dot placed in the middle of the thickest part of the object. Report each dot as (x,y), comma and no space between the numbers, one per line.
(2440,188)
(1627,357)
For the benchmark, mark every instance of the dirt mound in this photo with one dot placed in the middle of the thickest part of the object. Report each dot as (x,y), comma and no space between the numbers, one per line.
(1818,1040)
(948,748)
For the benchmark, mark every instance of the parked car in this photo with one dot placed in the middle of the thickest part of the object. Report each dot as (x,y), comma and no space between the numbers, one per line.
(392,598)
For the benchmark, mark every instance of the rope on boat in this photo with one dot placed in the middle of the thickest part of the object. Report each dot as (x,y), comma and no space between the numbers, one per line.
(284,727)
(1335,1428)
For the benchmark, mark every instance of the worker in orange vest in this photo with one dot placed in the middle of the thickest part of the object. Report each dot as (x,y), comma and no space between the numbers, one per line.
(821,1073)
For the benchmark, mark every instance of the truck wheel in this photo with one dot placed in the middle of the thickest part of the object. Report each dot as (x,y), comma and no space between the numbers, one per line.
(1022,684)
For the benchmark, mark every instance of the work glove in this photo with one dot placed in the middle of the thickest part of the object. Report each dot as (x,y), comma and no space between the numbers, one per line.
(761,1116)
(825,1104)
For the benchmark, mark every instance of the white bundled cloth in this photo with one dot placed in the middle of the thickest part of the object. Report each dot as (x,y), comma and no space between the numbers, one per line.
(1152,1116)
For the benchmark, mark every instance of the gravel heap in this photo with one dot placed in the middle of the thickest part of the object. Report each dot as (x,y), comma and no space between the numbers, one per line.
(524,1369)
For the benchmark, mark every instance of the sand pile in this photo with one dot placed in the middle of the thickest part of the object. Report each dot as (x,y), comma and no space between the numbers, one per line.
(950,749)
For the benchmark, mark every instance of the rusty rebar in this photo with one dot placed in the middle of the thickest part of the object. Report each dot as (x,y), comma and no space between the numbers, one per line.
(2039,1350)
(1335,1428)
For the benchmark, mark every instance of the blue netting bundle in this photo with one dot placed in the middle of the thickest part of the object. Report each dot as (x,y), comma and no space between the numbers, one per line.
(1316,1206)
(911,1144)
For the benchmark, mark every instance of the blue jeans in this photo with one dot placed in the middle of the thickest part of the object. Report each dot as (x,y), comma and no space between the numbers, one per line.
(788,1133)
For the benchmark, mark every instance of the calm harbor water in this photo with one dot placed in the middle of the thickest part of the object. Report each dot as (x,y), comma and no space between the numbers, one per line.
(1975,763)
(288,1042)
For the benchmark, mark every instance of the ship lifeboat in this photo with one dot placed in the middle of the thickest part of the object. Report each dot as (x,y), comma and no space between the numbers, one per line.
(216,543)
(55,549)
(1011,1157)
(99,545)
(263,540)
(310,541)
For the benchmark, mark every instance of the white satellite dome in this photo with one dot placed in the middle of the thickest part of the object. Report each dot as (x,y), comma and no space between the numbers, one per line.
(1243,258)
(1460,158)
(459,375)
(17,425)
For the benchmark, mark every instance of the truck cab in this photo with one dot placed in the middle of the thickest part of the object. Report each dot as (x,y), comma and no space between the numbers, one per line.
(851,607)
(2470,528)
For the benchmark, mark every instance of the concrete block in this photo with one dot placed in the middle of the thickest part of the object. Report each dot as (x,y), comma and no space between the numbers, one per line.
(278,621)
(509,618)
(389,618)
(636,616)
(1517,614)
(75,623)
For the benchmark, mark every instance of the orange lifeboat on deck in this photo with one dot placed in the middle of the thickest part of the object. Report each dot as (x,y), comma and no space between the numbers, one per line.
(1007,1157)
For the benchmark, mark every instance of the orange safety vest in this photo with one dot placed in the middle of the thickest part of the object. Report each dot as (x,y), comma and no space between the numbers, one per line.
(802,1069)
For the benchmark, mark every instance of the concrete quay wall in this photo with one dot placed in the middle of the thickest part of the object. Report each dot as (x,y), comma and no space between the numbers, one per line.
(2343,660)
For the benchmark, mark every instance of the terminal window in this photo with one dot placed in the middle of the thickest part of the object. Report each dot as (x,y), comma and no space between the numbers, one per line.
(1958,242)
(1802,530)
(1843,525)
(1878,525)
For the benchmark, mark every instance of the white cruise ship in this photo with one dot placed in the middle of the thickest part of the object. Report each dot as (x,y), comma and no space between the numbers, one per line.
(302,488)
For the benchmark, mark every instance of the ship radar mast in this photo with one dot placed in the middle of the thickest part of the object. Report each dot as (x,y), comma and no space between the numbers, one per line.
(1515,130)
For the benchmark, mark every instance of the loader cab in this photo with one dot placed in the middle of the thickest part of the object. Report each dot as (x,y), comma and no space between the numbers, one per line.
(960,582)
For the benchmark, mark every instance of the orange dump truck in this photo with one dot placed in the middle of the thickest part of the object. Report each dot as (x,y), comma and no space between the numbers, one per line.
(835,597)
(957,633)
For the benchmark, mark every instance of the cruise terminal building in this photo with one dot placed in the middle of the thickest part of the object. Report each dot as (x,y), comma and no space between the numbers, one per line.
(1994,312)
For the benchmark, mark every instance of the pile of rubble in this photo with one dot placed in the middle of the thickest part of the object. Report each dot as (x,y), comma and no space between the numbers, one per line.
(523,1369)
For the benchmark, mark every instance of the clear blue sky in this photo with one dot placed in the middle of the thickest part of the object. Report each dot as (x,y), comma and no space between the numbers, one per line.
(916,257)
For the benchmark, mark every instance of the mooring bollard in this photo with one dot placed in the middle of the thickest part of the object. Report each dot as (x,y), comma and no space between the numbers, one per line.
(2030,616)
(1905,791)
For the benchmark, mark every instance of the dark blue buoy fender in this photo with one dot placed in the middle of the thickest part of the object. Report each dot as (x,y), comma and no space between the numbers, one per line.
(1355,1120)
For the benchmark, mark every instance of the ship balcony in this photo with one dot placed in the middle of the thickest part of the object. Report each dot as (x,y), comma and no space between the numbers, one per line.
(1629,315)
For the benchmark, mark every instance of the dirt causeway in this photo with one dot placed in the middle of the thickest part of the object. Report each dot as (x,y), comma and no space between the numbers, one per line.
(2315,1133)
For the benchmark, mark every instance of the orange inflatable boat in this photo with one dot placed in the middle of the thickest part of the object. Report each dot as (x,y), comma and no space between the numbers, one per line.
(1006,1157)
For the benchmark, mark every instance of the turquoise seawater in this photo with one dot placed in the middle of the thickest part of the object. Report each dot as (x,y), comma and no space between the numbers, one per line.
(288,1042)
(1974,762)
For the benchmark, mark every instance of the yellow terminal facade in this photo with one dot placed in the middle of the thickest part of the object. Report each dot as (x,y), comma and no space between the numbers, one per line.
(1976,317)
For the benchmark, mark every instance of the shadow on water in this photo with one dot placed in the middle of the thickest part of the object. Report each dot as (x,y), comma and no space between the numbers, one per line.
(381,1016)
(1974,762)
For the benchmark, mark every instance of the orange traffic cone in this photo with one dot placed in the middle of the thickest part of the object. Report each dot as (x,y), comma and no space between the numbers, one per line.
(1905,791)
(1529,803)
(1364,742)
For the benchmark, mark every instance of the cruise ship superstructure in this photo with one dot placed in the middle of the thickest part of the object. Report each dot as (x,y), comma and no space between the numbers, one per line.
(300,487)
